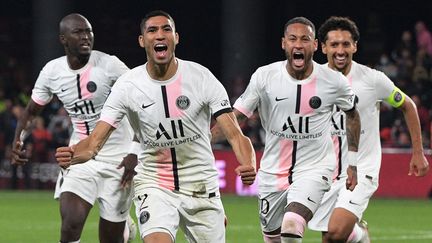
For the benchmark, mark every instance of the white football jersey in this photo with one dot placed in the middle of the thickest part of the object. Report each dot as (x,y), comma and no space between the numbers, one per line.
(371,87)
(296,115)
(172,121)
(83,93)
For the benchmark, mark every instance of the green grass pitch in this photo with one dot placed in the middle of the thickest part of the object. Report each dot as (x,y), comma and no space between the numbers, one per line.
(33,216)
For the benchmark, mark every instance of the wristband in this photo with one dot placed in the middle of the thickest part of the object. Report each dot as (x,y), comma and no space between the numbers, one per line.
(135,148)
(352,158)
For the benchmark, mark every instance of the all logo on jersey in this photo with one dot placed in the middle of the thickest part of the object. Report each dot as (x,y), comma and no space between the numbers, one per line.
(315,102)
(176,128)
(182,102)
(91,86)
(301,127)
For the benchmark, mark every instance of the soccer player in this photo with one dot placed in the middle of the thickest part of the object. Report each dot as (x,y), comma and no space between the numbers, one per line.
(82,80)
(341,209)
(169,103)
(295,98)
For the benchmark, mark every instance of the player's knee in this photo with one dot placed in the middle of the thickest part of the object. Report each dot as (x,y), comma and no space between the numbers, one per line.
(293,225)
(336,234)
(71,231)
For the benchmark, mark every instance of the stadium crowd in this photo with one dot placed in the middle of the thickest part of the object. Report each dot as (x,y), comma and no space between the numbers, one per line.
(408,64)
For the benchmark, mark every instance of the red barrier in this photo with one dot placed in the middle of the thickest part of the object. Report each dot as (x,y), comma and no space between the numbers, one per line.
(394,179)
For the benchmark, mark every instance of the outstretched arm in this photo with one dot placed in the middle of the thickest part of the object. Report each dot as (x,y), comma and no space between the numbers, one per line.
(353,125)
(419,165)
(18,155)
(87,148)
(241,146)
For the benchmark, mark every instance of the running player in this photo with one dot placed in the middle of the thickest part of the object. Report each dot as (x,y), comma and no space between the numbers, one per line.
(169,103)
(295,98)
(82,80)
(340,209)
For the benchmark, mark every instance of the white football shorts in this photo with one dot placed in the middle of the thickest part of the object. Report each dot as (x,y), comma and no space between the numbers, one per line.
(355,201)
(162,210)
(97,180)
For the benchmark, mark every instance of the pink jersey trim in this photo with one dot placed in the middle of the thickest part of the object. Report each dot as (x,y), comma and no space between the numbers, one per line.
(285,162)
(308,91)
(81,129)
(109,121)
(84,80)
(336,150)
(165,175)
(174,90)
(243,110)
(38,101)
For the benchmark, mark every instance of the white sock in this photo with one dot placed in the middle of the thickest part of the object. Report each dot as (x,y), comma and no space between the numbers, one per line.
(291,240)
(356,235)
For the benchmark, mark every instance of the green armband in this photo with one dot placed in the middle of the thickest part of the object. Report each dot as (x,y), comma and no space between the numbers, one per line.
(396,98)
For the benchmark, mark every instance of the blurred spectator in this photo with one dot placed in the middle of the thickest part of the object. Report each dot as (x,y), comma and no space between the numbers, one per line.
(253,129)
(403,140)
(423,112)
(237,86)
(424,37)
(387,66)
(22,171)
(41,140)
(2,101)
(405,43)
(405,64)
(61,117)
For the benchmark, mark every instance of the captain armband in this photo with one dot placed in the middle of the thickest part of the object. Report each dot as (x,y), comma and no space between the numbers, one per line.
(396,98)
(135,148)
(352,158)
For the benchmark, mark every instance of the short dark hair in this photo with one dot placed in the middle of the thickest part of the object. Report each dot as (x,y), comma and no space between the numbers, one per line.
(300,20)
(155,13)
(338,23)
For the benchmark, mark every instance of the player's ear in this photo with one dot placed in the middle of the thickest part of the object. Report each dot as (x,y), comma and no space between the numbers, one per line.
(177,38)
(323,48)
(355,47)
(283,43)
(62,39)
(141,40)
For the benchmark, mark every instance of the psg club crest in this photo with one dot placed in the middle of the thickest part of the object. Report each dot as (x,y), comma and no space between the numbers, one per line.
(144,217)
(182,102)
(315,102)
(91,86)
(397,96)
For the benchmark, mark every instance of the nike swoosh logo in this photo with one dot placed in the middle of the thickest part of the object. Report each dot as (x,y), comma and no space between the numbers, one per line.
(354,203)
(145,106)
(280,99)
(310,200)
(63,90)
(122,212)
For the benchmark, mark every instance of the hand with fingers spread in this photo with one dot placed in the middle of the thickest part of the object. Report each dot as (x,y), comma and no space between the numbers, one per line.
(247,174)
(129,162)
(18,154)
(64,156)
